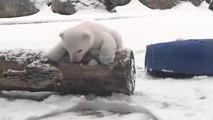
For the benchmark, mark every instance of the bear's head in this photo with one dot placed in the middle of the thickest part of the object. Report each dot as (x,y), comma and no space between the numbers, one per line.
(77,43)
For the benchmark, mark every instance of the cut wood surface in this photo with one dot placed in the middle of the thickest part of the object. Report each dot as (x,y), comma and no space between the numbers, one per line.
(30,70)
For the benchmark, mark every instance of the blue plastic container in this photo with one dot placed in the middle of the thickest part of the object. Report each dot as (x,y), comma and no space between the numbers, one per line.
(179,59)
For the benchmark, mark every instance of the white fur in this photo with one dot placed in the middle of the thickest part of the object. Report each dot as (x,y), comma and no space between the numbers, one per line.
(88,36)
(57,52)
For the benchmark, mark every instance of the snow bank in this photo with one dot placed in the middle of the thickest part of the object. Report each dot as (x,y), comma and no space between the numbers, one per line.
(39,3)
(89,4)
(133,6)
(23,56)
(131,10)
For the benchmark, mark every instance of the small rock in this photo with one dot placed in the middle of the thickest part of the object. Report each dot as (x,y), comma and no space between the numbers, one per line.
(16,8)
(166,4)
(64,7)
(196,2)
(211,5)
(208,1)
(111,4)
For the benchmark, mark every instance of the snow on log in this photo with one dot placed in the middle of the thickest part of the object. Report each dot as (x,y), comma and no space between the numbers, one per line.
(30,70)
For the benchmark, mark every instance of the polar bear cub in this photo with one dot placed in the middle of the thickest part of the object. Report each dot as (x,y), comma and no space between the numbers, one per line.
(87,36)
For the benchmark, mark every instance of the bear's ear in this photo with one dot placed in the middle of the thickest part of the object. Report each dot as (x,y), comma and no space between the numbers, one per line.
(86,35)
(61,35)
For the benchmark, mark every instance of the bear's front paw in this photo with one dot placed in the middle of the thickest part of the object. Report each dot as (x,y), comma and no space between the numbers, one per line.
(106,60)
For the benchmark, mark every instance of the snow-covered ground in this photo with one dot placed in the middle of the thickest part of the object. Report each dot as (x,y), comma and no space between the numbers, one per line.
(168,99)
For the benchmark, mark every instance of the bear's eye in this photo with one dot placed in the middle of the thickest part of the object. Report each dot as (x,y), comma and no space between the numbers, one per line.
(79,50)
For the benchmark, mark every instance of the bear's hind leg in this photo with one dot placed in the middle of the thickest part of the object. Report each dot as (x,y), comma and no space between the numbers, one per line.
(118,39)
(108,48)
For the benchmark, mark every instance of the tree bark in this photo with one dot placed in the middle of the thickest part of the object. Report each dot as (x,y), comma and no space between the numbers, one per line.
(28,70)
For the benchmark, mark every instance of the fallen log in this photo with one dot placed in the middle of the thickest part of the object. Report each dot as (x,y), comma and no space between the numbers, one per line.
(30,70)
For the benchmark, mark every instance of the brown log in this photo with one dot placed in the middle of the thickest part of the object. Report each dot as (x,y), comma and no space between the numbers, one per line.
(29,70)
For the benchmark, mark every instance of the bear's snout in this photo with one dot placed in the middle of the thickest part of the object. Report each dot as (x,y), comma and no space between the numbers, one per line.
(75,58)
